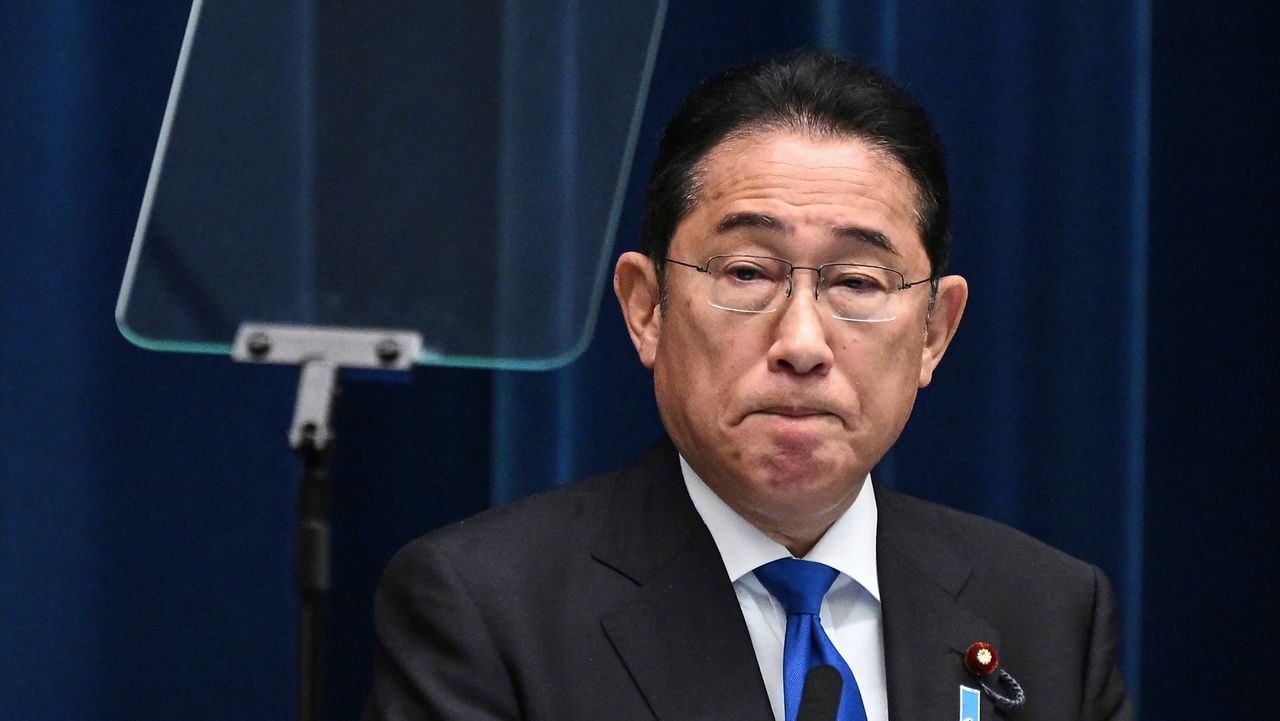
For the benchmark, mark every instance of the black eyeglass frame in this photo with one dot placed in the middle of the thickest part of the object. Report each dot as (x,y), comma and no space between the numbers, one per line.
(902,285)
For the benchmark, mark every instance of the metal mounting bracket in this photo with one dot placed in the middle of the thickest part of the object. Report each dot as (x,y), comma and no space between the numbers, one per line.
(321,351)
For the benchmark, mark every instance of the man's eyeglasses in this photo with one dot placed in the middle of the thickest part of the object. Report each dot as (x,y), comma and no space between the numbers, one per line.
(760,284)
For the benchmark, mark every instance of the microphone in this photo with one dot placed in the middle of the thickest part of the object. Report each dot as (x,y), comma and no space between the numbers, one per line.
(820,699)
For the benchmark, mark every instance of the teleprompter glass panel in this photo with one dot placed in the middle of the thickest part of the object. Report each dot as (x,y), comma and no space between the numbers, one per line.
(454,168)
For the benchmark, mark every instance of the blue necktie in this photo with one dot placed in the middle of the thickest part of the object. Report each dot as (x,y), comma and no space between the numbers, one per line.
(799,586)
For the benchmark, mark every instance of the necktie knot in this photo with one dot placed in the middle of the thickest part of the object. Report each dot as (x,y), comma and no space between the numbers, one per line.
(798,585)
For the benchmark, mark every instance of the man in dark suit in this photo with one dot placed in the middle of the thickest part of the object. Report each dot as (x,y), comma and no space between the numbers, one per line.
(791,303)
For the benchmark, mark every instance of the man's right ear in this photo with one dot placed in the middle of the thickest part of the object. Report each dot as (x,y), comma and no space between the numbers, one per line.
(636,284)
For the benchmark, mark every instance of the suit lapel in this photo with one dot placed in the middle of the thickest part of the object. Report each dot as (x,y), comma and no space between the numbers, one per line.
(681,633)
(926,629)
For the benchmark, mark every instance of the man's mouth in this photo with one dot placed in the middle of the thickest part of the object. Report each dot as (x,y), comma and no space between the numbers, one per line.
(794,411)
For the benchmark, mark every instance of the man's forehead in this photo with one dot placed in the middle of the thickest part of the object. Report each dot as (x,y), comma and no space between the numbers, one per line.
(749,157)
(767,181)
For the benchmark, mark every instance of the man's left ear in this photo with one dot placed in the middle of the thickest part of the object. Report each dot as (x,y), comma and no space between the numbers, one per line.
(953,293)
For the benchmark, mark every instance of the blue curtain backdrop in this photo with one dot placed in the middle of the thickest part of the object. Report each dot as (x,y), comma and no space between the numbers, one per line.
(1112,389)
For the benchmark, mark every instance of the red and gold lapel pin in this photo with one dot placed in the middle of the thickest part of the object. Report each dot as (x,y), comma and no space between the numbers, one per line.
(982,661)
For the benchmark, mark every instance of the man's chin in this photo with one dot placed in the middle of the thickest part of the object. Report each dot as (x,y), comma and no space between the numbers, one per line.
(795,454)
(790,477)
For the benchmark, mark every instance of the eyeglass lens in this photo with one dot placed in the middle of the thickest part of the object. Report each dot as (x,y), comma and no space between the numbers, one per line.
(753,284)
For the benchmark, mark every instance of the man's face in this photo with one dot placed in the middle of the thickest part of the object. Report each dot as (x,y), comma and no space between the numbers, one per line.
(784,413)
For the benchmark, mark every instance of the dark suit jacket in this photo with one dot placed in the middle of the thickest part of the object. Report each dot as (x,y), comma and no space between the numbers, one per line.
(607,600)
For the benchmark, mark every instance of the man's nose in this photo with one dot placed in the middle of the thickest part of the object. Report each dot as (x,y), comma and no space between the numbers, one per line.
(800,337)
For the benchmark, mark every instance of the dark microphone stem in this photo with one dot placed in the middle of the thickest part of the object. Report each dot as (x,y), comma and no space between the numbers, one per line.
(820,699)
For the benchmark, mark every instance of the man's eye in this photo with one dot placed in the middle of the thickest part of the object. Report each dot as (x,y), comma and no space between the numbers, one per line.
(745,273)
(858,282)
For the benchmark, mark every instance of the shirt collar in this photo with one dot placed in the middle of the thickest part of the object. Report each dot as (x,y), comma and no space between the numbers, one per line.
(849,545)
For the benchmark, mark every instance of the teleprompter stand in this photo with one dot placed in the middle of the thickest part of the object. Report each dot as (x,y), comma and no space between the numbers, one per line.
(320,352)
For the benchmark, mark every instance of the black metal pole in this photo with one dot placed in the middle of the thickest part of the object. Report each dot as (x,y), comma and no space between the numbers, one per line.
(311,575)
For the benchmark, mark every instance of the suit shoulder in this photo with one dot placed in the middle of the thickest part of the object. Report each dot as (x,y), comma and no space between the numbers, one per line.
(567,517)
(558,515)
(988,543)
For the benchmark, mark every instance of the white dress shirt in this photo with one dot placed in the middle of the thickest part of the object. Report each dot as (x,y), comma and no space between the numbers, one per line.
(850,611)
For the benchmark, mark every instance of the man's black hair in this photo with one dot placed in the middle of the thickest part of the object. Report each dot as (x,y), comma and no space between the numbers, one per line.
(808,92)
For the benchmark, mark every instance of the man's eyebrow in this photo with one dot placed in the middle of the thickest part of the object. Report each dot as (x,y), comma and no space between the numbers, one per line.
(866,235)
(733,221)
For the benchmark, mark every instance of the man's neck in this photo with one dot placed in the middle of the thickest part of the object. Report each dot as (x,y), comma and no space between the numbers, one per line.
(800,534)
(799,538)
